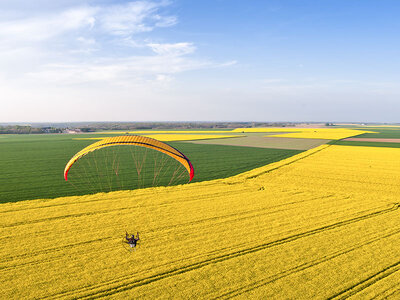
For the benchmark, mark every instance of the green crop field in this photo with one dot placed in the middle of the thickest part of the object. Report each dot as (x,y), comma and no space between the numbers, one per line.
(381,133)
(32,165)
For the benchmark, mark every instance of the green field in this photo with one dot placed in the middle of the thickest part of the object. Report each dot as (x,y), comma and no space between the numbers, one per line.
(32,165)
(381,133)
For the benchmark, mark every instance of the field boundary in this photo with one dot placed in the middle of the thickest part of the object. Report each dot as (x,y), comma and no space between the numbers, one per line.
(377,140)
(277,165)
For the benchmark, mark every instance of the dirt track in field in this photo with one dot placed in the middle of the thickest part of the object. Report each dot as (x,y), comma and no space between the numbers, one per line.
(266,142)
(373,140)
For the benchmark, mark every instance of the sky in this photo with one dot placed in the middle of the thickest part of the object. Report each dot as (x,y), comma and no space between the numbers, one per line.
(210,60)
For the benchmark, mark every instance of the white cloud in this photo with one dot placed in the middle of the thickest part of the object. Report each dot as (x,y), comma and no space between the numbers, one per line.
(122,20)
(163,78)
(76,47)
(176,49)
(39,29)
(99,57)
(165,21)
(115,72)
(227,64)
(86,41)
(93,44)
(134,17)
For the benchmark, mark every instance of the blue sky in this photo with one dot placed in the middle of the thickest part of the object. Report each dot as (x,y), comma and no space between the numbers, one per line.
(220,60)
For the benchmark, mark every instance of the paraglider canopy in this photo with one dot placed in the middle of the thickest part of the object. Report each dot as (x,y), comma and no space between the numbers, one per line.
(135,140)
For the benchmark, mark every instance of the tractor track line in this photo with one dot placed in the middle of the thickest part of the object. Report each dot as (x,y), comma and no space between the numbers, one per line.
(301,267)
(358,287)
(251,213)
(184,269)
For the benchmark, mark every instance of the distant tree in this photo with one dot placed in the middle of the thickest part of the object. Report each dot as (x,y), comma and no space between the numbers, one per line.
(87,129)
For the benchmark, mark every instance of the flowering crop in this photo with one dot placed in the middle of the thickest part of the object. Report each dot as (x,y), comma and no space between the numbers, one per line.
(163,131)
(174,137)
(322,224)
(308,133)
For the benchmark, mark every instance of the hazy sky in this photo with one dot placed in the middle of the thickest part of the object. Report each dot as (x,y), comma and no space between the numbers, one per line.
(215,60)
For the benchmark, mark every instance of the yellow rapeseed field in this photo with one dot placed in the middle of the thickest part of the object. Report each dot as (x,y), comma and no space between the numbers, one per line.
(308,133)
(175,137)
(322,224)
(321,134)
(141,132)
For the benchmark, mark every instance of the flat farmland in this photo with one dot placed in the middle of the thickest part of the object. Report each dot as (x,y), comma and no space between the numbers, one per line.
(323,224)
(194,150)
(326,133)
(285,138)
(372,143)
(373,140)
(32,165)
(261,141)
(380,132)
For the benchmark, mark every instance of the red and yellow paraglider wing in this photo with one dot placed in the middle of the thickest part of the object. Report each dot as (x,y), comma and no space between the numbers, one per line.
(136,141)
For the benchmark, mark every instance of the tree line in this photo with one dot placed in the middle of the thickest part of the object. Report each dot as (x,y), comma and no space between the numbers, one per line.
(26,129)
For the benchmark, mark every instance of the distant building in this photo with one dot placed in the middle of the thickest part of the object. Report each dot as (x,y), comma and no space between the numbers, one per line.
(72,131)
